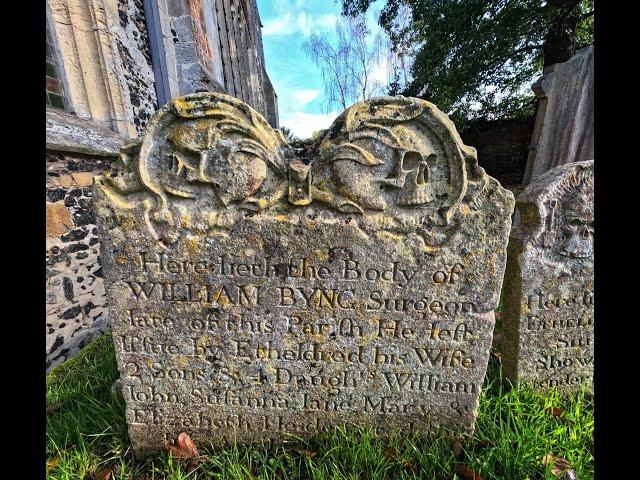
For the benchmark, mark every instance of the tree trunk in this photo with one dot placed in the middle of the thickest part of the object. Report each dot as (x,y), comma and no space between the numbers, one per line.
(560,44)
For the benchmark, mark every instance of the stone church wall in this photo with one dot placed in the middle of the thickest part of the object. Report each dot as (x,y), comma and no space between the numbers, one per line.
(100,94)
(75,303)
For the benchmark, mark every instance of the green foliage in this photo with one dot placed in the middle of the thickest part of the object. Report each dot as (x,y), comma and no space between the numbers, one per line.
(514,431)
(288,135)
(584,33)
(477,58)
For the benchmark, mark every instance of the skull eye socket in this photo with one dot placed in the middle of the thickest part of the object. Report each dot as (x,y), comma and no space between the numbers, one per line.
(411,161)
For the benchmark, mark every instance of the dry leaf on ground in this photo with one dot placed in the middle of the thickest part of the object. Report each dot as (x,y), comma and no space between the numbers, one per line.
(559,413)
(465,473)
(411,468)
(52,464)
(485,443)
(555,411)
(184,449)
(559,466)
(306,452)
(105,474)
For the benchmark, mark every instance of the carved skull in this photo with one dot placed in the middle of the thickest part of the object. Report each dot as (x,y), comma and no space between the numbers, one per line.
(398,163)
(410,174)
(577,233)
(401,175)
(200,155)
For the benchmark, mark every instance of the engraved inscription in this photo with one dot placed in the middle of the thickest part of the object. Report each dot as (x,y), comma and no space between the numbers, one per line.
(254,296)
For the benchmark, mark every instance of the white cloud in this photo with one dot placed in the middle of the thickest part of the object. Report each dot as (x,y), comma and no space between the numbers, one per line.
(303,124)
(304,23)
(276,26)
(303,97)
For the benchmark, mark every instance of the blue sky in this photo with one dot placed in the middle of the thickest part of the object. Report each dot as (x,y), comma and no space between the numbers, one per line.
(287,24)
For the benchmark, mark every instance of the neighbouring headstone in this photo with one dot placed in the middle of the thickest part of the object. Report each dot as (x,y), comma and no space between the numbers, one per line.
(255,296)
(563,132)
(548,318)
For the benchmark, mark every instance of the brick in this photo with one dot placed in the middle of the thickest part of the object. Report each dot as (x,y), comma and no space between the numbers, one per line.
(65,180)
(83,179)
(58,219)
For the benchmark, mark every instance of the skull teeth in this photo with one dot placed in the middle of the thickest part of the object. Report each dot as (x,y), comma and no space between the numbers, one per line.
(418,198)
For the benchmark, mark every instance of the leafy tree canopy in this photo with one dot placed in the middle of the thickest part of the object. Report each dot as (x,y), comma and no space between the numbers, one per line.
(477,58)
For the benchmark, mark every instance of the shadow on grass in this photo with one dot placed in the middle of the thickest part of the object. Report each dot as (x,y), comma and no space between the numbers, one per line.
(86,434)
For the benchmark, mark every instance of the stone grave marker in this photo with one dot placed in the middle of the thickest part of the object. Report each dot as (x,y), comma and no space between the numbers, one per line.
(548,289)
(255,297)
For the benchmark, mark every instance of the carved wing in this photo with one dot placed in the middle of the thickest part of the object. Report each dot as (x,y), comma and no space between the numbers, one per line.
(207,148)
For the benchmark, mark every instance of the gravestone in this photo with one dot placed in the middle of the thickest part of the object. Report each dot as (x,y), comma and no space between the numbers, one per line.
(255,296)
(548,289)
(563,132)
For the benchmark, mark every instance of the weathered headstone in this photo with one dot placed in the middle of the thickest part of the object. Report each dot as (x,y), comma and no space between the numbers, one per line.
(548,289)
(563,132)
(255,296)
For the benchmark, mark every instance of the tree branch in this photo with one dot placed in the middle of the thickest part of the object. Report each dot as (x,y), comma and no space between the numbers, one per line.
(528,48)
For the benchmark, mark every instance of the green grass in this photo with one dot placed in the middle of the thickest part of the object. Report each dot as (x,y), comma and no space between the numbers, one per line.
(87,434)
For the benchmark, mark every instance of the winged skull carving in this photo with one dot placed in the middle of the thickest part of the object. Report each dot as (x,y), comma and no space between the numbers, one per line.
(396,162)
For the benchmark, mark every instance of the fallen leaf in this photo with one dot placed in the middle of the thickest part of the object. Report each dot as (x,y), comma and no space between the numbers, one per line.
(547,459)
(485,443)
(555,411)
(306,453)
(571,475)
(183,448)
(411,467)
(465,473)
(559,466)
(52,464)
(53,408)
(103,475)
